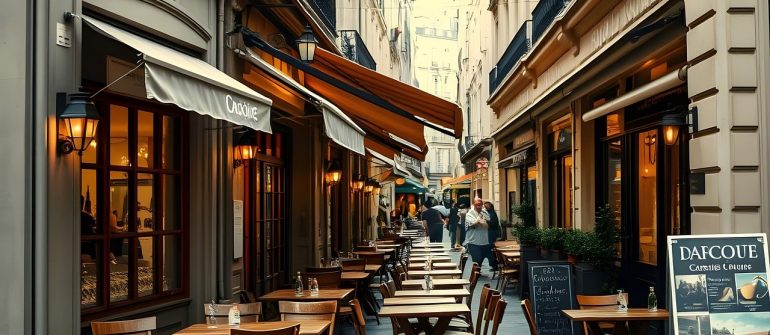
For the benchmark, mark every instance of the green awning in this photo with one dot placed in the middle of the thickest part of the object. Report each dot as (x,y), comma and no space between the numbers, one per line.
(410,186)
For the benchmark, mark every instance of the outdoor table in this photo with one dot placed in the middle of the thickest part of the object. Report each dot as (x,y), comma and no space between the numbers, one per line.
(306,327)
(437,283)
(384,245)
(441,248)
(429,245)
(421,265)
(421,273)
(454,293)
(378,252)
(323,295)
(361,279)
(444,313)
(417,301)
(638,319)
(372,268)
(433,257)
(426,254)
(511,254)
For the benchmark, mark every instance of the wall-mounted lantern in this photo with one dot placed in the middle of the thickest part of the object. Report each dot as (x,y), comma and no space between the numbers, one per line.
(80,118)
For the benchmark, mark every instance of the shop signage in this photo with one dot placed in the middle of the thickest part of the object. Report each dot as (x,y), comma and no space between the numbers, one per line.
(520,158)
(237,229)
(550,287)
(719,284)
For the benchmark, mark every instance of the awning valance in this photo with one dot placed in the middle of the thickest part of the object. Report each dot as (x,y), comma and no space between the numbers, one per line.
(337,126)
(410,186)
(461,179)
(192,84)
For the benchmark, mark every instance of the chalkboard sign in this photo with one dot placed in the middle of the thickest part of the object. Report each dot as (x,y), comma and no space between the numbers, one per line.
(719,284)
(550,287)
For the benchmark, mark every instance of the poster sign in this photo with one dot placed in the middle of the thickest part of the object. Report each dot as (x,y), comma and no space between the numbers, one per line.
(237,229)
(550,287)
(719,284)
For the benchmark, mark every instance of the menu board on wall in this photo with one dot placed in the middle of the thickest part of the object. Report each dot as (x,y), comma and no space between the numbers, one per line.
(550,287)
(719,284)
(237,229)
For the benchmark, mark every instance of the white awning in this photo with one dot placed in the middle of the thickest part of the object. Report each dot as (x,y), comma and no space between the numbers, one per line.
(669,81)
(337,126)
(192,84)
(384,159)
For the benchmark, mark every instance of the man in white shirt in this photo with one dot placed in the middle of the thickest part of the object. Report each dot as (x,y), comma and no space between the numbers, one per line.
(477,234)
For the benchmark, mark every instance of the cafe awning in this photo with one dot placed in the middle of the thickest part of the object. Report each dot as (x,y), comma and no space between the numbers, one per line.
(337,126)
(410,186)
(464,179)
(192,84)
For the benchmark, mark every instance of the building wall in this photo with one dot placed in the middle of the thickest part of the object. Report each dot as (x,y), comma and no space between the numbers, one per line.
(727,50)
(16,193)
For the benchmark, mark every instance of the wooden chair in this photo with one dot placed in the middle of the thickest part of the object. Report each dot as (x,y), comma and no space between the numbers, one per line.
(249,312)
(464,322)
(128,327)
(497,317)
(508,271)
(526,307)
(606,302)
(359,323)
(463,261)
(490,311)
(485,301)
(293,330)
(326,280)
(247,297)
(298,311)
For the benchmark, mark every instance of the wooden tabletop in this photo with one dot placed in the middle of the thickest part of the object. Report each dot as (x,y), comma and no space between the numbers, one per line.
(372,267)
(307,327)
(460,292)
(511,254)
(436,282)
(383,245)
(429,245)
(604,315)
(426,254)
(418,301)
(424,310)
(420,265)
(355,275)
(378,252)
(323,294)
(421,273)
(433,257)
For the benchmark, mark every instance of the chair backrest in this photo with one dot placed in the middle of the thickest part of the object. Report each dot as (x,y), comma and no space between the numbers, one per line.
(353,265)
(247,297)
(472,287)
(475,267)
(143,326)
(486,291)
(490,311)
(323,310)
(292,330)
(526,307)
(607,302)
(249,312)
(598,301)
(391,287)
(384,291)
(359,323)
(463,261)
(326,280)
(497,318)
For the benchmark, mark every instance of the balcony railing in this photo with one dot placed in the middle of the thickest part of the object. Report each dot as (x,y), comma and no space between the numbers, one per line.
(544,14)
(327,10)
(354,48)
(471,141)
(519,46)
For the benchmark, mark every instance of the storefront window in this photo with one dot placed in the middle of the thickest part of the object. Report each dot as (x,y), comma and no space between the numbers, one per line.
(138,232)
(647,206)
(614,181)
(560,156)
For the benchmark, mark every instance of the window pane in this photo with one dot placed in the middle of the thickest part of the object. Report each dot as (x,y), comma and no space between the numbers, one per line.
(89,156)
(145,265)
(614,124)
(119,136)
(144,140)
(171,194)
(172,259)
(170,144)
(614,181)
(90,273)
(567,191)
(118,201)
(88,203)
(118,269)
(145,204)
(648,220)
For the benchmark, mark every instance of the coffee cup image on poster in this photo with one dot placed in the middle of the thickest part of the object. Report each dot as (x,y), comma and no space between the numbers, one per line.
(691,292)
(751,288)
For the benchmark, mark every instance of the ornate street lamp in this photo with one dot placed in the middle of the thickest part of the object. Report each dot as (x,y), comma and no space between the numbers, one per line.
(671,125)
(333,172)
(80,118)
(357,183)
(306,44)
(245,149)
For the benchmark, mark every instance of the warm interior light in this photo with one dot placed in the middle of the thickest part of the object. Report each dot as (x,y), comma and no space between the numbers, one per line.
(400,181)
(333,173)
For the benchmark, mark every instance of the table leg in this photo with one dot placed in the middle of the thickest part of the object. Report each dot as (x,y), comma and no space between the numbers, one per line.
(638,327)
(441,325)
(620,328)
(594,328)
(405,326)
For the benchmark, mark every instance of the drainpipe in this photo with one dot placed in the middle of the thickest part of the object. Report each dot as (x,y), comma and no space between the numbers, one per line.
(220,291)
(220,34)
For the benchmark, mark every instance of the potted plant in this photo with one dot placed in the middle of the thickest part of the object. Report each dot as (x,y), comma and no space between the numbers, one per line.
(528,235)
(552,243)
(575,242)
(597,275)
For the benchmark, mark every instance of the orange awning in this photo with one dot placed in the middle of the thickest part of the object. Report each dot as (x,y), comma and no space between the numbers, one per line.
(408,98)
(459,179)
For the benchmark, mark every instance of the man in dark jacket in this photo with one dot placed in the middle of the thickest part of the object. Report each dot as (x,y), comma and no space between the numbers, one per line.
(435,222)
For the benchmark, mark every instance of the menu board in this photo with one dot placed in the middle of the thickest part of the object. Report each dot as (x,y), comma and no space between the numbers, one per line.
(719,284)
(550,287)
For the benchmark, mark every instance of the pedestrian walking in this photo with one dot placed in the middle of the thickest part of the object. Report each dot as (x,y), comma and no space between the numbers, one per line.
(435,222)
(477,234)
(452,225)
(461,212)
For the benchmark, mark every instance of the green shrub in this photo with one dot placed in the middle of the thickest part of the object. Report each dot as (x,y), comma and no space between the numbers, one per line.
(601,249)
(527,236)
(576,242)
(552,238)
(526,213)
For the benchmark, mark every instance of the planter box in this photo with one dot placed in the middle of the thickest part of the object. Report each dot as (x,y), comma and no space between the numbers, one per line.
(589,280)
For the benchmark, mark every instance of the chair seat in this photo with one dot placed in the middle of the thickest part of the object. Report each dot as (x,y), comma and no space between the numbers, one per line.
(345,310)
(455,332)
(456,323)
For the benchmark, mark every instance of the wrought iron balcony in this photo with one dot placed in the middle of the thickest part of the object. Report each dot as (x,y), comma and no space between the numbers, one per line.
(354,48)
(471,141)
(520,44)
(544,14)
(327,10)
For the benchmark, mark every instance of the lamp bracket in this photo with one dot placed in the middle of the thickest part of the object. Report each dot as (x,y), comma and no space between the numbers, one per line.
(65,145)
(692,120)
